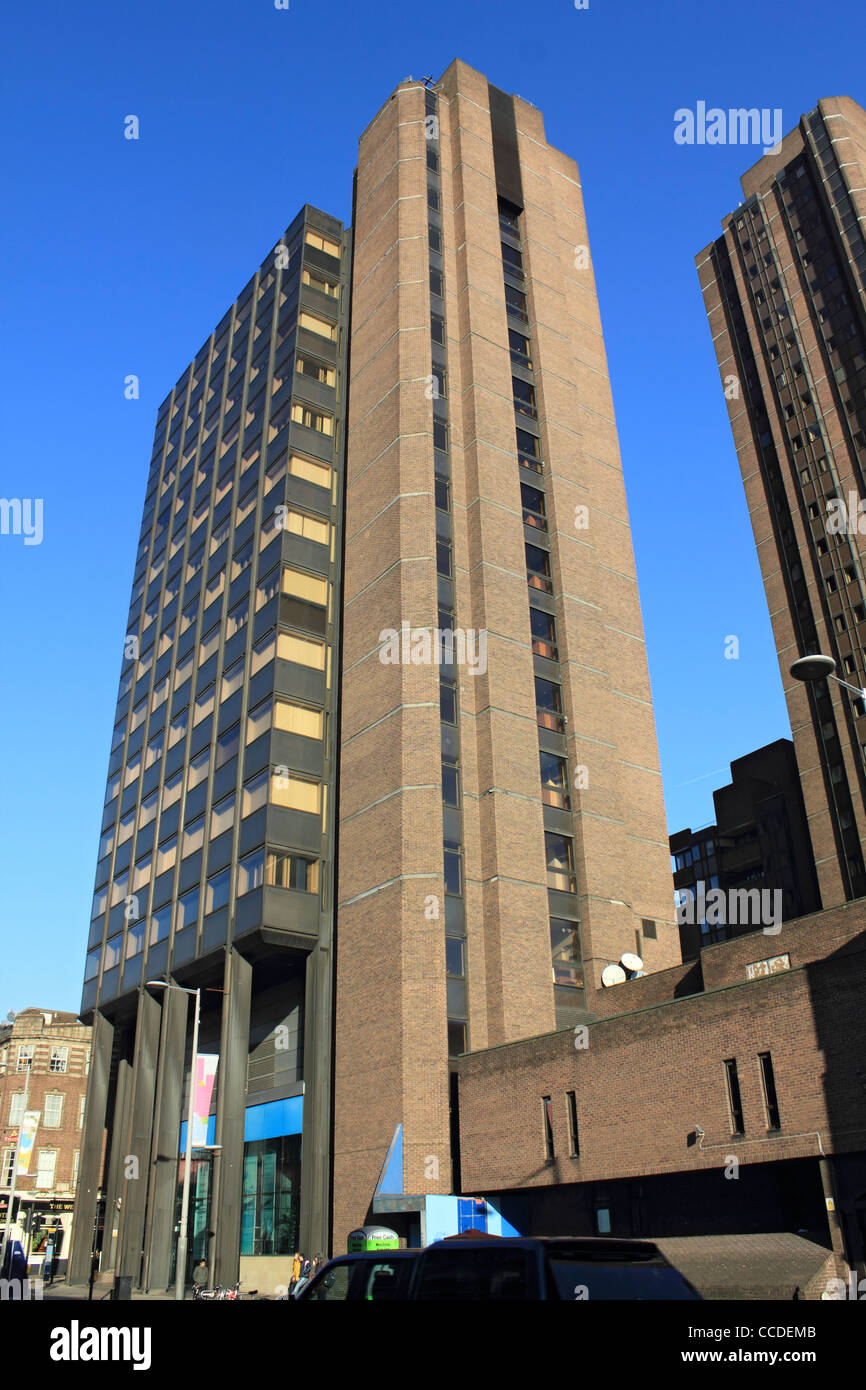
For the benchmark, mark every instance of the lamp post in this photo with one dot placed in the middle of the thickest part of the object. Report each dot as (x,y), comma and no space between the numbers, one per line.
(183,1237)
(822,668)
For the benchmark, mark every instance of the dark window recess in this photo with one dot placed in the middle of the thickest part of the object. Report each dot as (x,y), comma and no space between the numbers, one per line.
(443,559)
(515,301)
(454,956)
(538,569)
(573,1132)
(648,927)
(434,239)
(549,1150)
(512,258)
(441,491)
(447,702)
(437,328)
(533,506)
(734,1097)
(543,628)
(437,284)
(456,1038)
(548,704)
(440,436)
(771,1100)
(453,873)
(521,350)
(450,783)
(524,398)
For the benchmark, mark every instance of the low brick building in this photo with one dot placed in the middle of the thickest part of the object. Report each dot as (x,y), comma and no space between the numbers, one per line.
(55,1047)
(722,1097)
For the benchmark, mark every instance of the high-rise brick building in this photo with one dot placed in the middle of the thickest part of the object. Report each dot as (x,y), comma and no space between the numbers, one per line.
(502,832)
(784,292)
(387,492)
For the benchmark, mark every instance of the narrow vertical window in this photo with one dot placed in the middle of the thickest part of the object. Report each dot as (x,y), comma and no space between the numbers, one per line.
(734,1098)
(771,1100)
(573,1134)
(549,1151)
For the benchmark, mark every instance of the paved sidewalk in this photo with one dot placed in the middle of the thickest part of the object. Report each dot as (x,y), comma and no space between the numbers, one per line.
(60,1290)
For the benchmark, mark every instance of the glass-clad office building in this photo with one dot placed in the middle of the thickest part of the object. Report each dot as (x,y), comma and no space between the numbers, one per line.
(215,864)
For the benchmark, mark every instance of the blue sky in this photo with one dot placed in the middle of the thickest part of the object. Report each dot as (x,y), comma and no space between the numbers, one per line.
(121,256)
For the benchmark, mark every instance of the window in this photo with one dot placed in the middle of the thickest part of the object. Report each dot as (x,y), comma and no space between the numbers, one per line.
(171,791)
(258,721)
(314,324)
(312,528)
(75,1161)
(227,746)
(154,749)
(232,680)
(543,629)
(286,870)
(454,964)
(134,941)
(515,302)
(7,1168)
(538,569)
(160,924)
(237,617)
(322,242)
(298,719)
(254,793)
(251,872)
(318,473)
(187,909)
(16,1108)
(437,329)
(560,862)
(263,652)
(734,1099)
(768,1081)
(547,1112)
(306,651)
(453,872)
(217,891)
(548,703)
(307,366)
(165,856)
(82,1104)
(25,1057)
(267,588)
(573,1132)
(46,1165)
(193,836)
(53,1112)
(204,704)
(532,499)
(296,793)
(554,780)
(524,398)
(312,419)
(565,953)
(319,283)
(222,816)
(521,348)
(450,782)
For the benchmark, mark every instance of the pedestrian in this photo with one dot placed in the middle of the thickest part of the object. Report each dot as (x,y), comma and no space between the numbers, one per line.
(304,1276)
(318,1261)
(200,1275)
(296,1271)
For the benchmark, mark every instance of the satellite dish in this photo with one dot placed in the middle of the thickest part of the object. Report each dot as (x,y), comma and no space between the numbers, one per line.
(10,1017)
(630,963)
(612,975)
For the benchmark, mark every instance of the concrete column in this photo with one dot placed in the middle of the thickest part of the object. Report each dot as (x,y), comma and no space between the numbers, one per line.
(136,1168)
(162,1194)
(116,1151)
(231,1106)
(90,1161)
(316,1138)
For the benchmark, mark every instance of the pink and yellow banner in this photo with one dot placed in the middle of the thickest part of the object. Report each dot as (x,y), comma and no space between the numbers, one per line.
(205,1075)
(29,1126)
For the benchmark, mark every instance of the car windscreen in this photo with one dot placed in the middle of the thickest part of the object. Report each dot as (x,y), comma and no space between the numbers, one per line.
(576,1279)
(466,1274)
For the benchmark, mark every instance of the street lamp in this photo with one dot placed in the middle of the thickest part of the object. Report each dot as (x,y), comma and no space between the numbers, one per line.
(822,668)
(182,1239)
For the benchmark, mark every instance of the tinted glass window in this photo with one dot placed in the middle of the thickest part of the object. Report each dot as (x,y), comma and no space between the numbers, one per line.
(575,1279)
(333,1284)
(493,1273)
(383,1280)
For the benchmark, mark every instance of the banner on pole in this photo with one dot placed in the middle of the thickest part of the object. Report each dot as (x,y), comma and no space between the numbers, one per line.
(205,1075)
(29,1126)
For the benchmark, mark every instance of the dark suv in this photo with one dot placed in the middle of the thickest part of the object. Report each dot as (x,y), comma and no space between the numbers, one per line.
(570,1268)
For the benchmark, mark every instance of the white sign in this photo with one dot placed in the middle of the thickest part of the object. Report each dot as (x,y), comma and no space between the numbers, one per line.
(768,967)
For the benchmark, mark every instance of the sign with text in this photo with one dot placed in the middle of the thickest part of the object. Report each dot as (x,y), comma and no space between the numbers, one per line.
(772,966)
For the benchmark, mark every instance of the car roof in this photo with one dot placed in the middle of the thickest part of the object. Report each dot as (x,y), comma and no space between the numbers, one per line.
(588,1245)
(373,1255)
